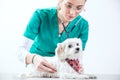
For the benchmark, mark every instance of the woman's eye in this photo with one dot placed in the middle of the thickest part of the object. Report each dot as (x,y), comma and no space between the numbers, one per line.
(78,8)
(69,6)
(69,46)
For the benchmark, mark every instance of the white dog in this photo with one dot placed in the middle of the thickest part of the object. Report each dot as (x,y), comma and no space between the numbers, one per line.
(67,61)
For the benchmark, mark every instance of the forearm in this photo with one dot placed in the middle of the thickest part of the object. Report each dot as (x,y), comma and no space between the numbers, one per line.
(30,58)
(23,53)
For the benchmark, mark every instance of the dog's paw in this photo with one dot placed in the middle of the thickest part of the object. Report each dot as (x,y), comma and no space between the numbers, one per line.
(92,76)
(50,75)
(73,76)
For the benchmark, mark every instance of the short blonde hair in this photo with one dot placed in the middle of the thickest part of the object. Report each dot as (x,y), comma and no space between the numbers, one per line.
(59,4)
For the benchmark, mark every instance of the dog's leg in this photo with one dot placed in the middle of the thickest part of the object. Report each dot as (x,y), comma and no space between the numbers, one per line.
(73,76)
(91,76)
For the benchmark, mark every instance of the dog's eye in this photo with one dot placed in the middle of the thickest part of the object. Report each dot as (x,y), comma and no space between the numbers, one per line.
(77,44)
(70,46)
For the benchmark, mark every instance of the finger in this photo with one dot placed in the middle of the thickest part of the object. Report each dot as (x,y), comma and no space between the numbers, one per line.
(47,64)
(45,69)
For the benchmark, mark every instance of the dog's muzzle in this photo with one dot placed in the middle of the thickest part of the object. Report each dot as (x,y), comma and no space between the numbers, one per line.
(77,50)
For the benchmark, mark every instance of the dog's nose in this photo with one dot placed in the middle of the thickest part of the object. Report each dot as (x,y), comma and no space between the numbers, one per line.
(77,49)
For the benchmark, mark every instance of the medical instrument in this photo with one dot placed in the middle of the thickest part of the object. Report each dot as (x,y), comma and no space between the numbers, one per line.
(67,32)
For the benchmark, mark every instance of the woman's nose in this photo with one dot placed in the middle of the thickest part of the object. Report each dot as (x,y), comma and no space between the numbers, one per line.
(73,12)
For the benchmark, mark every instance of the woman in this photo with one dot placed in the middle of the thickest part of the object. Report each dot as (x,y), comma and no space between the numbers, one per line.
(47,27)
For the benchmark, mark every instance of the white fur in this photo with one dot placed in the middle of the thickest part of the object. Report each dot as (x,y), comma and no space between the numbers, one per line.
(66,49)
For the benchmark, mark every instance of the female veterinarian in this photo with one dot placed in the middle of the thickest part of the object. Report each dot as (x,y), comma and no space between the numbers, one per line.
(47,27)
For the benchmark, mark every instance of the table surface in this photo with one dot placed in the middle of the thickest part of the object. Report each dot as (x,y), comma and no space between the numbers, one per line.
(8,76)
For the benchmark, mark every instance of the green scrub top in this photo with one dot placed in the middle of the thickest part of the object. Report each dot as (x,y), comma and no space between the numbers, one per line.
(43,29)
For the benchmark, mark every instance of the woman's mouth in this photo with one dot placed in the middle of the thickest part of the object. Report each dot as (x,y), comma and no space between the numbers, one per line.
(71,17)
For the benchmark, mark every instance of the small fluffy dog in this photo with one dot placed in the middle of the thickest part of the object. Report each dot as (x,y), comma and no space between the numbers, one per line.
(67,61)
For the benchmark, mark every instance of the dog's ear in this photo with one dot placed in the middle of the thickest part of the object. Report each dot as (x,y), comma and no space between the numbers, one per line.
(59,48)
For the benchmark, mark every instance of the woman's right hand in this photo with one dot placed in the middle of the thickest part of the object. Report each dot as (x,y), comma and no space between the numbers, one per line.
(42,64)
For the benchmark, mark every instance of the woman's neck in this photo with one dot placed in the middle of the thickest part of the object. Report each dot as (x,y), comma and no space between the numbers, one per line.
(61,19)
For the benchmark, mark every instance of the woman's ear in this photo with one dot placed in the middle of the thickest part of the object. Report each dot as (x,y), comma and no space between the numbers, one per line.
(59,4)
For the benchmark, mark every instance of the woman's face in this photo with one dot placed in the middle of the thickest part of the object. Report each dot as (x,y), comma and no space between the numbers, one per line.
(71,8)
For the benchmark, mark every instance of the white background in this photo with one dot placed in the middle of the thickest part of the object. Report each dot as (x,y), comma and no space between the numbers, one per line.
(102,54)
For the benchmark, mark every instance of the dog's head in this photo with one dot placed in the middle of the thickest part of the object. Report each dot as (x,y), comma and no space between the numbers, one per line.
(70,48)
